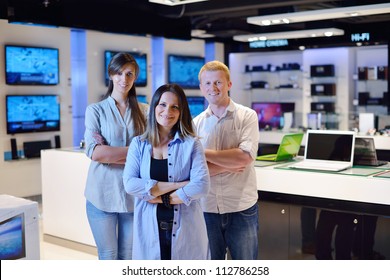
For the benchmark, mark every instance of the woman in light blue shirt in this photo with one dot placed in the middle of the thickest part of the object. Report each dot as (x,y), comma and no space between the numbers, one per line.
(166,171)
(110,126)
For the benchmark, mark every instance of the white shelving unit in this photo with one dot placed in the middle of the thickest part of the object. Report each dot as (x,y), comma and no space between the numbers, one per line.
(342,58)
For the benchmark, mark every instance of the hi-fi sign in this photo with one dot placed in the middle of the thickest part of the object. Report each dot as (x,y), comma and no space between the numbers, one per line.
(360,37)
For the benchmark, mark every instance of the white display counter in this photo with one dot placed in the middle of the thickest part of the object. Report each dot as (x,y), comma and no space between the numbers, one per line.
(346,185)
(64,174)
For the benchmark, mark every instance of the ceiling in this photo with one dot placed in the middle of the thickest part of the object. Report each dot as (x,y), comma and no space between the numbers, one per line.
(220,18)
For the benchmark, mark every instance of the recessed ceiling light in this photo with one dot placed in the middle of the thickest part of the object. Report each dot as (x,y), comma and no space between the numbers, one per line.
(175,2)
(364,10)
(200,33)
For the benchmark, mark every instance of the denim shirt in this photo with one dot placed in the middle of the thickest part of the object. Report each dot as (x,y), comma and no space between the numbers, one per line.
(104,186)
(186,161)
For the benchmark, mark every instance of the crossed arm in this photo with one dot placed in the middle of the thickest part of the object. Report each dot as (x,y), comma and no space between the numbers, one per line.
(230,160)
(164,187)
(107,154)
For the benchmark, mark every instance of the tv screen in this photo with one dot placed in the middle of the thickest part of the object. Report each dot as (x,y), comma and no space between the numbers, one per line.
(31,65)
(184,70)
(12,238)
(270,115)
(142,98)
(196,104)
(141,59)
(32,113)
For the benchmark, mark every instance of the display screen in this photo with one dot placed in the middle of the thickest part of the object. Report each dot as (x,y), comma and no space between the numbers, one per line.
(270,115)
(141,59)
(196,104)
(142,98)
(32,113)
(12,238)
(332,146)
(184,70)
(31,65)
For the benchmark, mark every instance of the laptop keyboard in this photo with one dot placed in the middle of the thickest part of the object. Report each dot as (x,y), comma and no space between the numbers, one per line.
(327,166)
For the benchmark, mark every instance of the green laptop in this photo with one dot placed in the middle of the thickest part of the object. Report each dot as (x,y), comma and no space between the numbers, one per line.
(288,148)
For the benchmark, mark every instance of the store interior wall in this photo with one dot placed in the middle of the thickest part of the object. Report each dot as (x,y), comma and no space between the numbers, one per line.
(22,177)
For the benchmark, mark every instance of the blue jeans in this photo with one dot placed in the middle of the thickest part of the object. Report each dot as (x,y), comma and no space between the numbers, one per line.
(113,233)
(236,231)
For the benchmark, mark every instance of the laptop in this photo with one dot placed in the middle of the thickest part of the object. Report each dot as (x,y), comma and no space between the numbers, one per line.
(365,153)
(328,150)
(288,148)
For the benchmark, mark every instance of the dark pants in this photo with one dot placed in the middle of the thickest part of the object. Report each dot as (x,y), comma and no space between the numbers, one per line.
(327,222)
(165,234)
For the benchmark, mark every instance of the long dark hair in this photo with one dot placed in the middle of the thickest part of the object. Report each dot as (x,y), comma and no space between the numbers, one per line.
(114,67)
(183,125)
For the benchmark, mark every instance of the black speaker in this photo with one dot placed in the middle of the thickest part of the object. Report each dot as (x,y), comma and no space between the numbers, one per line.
(362,73)
(57,141)
(382,72)
(363,97)
(328,107)
(386,98)
(14,149)
(33,149)
(322,70)
(323,89)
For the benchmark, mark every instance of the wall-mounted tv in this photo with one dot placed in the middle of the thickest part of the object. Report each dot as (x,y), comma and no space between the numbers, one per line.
(142,98)
(32,113)
(184,70)
(196,104)
(12,238)
(141,59)
(25,65)
(270,114)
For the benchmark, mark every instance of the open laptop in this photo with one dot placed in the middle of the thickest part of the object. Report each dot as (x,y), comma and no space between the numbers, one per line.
(327,150)
(288,148)
(365,153)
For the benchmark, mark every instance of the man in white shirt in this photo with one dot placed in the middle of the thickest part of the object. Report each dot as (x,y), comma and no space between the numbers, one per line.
(229,134)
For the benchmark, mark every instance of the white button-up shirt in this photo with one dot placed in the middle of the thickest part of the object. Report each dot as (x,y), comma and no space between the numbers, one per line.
(237,128)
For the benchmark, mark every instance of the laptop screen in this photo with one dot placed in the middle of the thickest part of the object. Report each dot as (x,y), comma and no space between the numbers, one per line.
(335,146)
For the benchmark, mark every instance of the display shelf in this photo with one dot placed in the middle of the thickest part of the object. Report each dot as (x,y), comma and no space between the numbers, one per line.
(274,80)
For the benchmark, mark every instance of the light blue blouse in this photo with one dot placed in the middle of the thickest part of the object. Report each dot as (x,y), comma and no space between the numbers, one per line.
(104,187)
(186,161)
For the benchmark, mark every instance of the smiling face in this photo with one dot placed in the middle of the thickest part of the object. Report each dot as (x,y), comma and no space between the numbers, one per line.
(167,110)
(124,79)
(215,87)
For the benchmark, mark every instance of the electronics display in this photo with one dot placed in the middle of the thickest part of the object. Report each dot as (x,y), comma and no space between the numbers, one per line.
(322,70)
(196,104)
(270,115)
(141,59)
(142,98)
(323,89)
(32,113)
(12,238)
(25,65)
(32,149)
(184,70)
(328,107)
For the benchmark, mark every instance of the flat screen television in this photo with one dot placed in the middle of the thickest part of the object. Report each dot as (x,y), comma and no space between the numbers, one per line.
(25,65)
(196,104)
(141,59)
(12,238)
(184,70)
(270,114)
(142,98)
(32,113)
